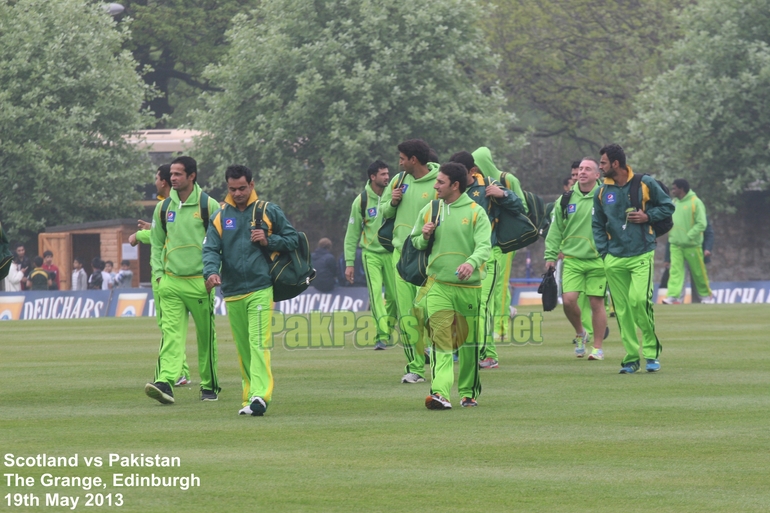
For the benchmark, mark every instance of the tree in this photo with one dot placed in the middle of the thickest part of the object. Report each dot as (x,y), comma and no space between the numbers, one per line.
(68,94)
(177,39)
(706,118)
(315,91)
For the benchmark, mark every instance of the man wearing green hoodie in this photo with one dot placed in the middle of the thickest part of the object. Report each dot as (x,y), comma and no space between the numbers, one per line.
(625,239)
(461,246)
(493,198)
(571,234)
(686,239)
(404,203)
(364,222)
(500,300)
(177,268)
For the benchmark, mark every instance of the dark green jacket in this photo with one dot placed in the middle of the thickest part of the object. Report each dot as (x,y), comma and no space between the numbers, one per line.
(229,252)
(493,206)
(612,233)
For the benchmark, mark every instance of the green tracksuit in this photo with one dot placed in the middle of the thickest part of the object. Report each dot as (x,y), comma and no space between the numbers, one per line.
(686,238)
(177,263)
(246,284)
(378,263)
(490,303)
(628,250)
(462,235)
(411,316)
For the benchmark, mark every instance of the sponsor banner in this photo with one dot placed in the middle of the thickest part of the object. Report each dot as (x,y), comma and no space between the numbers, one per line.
(53,304)
(731,292)
(353,299)
(131,303)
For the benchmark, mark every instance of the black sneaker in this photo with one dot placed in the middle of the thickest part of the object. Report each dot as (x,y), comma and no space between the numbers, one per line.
(208,395)
(160,391)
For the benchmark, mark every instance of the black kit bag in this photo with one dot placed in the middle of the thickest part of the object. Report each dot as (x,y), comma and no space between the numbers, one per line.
(413,264)
(385,233)
(661,227)
(549,290)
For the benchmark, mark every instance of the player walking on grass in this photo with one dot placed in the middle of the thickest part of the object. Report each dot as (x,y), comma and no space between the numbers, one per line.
(177,269)
(235,257)
(571,233)
(626,240)
(461,246)
(365,220)
(493,198)
(404,204)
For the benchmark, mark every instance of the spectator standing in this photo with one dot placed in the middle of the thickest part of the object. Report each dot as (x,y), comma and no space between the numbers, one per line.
(325,266)
(38,279)
(79,278)
(96,280)
(22,260)
(52,270)
(124,277)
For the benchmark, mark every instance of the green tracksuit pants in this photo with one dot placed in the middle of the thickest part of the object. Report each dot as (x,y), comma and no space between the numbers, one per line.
(379,270)
(156,298)
(630,280)
(694,258)
(488,306)
(411,321)
(453,314)
(180,297)
(502,295)
(250,318)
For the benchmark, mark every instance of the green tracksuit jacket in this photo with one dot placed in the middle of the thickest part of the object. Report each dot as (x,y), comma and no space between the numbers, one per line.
(574,236)
(417,194)
(462,236)
(177,252)
(689,221)
(228,245)
(363,230)
(493,206)
(483,159)
(611,204)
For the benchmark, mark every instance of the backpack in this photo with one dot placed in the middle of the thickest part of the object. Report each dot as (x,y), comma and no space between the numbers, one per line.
(385,233)
(6,257)
(549,290)
(413,264)
(661,227)
(203,205)
(536,209)
(513,231)
(292,271)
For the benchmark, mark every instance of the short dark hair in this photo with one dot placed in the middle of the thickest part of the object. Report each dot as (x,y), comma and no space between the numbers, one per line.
(683,184)
(125,262)
(19,245)
(575,164)
(566,181)
(97,263)
(49,253)
(416,148)
(433,156)
(78,260)
(456,172)
(164,172)
(189,164)
(38,261)
(374,168)
(109,262)
(614,152)
(464,158)
(237,171)
(592,160)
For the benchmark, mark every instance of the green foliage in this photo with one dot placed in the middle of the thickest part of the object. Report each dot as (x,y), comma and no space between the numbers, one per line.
(706,119)
(178,39)
(68,94)
(315,91)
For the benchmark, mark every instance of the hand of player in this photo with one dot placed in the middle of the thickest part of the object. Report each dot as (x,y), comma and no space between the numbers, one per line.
(132,239)
(259,236)
(494,191)
(143,225)
(397,195)
(464,272)
(706,253)
(349,270)
(427,230)
(213,281)
(638,217)
(549,264)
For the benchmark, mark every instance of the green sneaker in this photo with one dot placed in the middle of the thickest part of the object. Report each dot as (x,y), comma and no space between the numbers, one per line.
(596,354)
(580,344)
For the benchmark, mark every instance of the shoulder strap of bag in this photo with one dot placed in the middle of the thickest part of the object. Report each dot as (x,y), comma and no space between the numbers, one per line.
(633,192)
(364,200)
(164,213)
(204,209)
(564,203)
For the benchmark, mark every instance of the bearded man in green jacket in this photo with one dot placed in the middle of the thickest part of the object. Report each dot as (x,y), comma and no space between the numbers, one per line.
(177,268)
(461,247)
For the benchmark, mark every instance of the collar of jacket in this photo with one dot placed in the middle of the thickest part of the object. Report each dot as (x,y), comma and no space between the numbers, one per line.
(611,181)
(252,198)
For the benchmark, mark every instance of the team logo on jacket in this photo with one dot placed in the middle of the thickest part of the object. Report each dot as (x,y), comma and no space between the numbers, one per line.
(170,217)
(571,208)
(610,198)
(404,187)
(372,212)
(229,223)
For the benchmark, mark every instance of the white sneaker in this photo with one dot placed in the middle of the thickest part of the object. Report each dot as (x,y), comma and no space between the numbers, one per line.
(709,300)
(512,310)
(246,410)
(182,381)
(411,377)
(672,301)
(437,402)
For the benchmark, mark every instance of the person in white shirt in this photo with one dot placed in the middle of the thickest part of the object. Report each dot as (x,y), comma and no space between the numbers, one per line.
(79,278)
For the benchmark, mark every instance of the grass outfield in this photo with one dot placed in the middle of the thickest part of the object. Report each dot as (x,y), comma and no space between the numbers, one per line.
(552,433)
